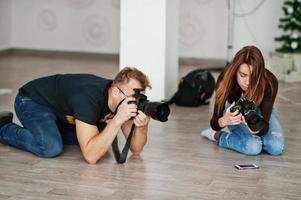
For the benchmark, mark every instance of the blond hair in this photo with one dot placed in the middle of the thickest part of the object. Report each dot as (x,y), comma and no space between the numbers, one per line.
(128,73)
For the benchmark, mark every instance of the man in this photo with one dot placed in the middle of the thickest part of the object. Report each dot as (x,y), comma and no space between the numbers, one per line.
(94,107)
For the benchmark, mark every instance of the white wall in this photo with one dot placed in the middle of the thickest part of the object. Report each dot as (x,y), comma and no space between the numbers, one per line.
(204,23)
(5,24)
(68,25)
(259,28)
(203,29)
(149,42)
(93,25)
(142,47)
(171,48)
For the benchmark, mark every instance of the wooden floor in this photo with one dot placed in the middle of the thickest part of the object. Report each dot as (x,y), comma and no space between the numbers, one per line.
(175,164)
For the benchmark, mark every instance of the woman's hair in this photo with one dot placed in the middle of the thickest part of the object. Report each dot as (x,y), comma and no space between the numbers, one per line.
(128,73)
(251,56)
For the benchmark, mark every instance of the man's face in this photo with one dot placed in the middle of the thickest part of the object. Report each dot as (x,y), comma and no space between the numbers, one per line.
(127,89)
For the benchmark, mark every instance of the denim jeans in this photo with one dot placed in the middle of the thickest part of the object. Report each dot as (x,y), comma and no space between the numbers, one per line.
(42,133)
(239,138)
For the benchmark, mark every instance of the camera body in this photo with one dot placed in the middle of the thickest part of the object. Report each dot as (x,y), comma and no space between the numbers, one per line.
(247,108)
(156,110)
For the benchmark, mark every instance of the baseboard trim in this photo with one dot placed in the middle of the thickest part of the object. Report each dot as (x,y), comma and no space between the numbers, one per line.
(211,64)
(52,53)
(5,52)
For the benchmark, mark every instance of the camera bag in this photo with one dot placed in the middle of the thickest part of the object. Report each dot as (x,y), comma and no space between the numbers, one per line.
(195,89)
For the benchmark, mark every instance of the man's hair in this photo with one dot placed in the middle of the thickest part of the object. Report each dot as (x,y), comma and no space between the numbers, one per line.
(128,73)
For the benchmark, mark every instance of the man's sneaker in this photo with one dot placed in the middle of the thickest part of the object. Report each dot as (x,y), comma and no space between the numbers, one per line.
(5,118)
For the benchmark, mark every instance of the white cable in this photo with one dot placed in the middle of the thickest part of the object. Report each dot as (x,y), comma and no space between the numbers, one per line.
(246,23)
(243,15)
(251,11)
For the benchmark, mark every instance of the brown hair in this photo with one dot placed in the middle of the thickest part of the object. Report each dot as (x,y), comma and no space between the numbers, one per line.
(130,72)
(251,56)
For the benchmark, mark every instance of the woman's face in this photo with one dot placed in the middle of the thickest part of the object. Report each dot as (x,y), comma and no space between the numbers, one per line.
(243,76)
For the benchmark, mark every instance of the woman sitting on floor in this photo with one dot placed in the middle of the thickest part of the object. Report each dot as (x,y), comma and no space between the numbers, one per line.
(246,77)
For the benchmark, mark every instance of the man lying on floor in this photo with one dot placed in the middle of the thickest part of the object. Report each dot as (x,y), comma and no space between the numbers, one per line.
(74,109)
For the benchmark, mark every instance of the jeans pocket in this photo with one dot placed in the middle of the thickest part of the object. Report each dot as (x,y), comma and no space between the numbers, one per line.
(25,99)
(20,100)
(24,106)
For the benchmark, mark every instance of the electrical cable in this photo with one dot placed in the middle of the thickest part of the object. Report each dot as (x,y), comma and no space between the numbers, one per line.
(251,11)
(245,14)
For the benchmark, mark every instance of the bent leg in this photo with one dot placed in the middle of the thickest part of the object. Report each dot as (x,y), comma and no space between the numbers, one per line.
(39,135)
(273,140)
(68,133)
(241,140)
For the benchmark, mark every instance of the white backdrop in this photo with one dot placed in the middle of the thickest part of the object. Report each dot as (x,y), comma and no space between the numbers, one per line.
(259,28)
(5,24)
(93,26)
(68,25)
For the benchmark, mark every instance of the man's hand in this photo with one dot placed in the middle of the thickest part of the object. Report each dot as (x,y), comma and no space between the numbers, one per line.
(141,119)
(126,111)
(139,139)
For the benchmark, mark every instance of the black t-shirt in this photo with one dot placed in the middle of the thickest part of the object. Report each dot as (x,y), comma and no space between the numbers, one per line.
(72,96)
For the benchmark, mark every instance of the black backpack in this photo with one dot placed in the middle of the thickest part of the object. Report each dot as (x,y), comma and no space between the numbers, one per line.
(194,89)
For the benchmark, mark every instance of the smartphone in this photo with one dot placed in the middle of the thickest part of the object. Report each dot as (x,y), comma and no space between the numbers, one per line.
(249,166)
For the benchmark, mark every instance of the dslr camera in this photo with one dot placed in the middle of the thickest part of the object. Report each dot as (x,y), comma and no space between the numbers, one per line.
(247,108)
(156,110)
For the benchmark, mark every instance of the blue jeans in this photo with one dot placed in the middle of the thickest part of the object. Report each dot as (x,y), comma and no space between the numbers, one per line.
(240,139)
(42,133)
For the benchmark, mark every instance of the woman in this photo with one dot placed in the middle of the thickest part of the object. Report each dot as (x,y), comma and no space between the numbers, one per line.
(246,77)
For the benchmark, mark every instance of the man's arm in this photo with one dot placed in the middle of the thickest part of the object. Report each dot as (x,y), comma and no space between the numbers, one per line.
(94,144)
(139,138)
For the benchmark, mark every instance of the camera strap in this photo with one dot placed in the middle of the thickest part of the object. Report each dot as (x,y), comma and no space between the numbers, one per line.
(121,158)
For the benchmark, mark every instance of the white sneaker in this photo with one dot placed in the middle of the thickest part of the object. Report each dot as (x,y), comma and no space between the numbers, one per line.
(209,134)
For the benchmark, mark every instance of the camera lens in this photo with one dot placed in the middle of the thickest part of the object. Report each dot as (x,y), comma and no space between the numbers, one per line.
(255,121)
(156,110)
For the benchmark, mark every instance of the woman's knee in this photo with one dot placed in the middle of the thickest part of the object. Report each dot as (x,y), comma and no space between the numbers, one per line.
(275,146)
(252,147)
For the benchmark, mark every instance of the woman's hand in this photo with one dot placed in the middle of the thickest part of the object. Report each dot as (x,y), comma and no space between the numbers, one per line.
(230,119)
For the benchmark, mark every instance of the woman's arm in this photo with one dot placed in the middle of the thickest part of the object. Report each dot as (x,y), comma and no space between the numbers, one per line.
(214,122)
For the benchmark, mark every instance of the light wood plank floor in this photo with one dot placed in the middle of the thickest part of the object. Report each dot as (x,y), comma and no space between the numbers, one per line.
(175,164)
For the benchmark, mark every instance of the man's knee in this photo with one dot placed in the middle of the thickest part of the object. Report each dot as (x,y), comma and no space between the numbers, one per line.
(252,147)
(50,148)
